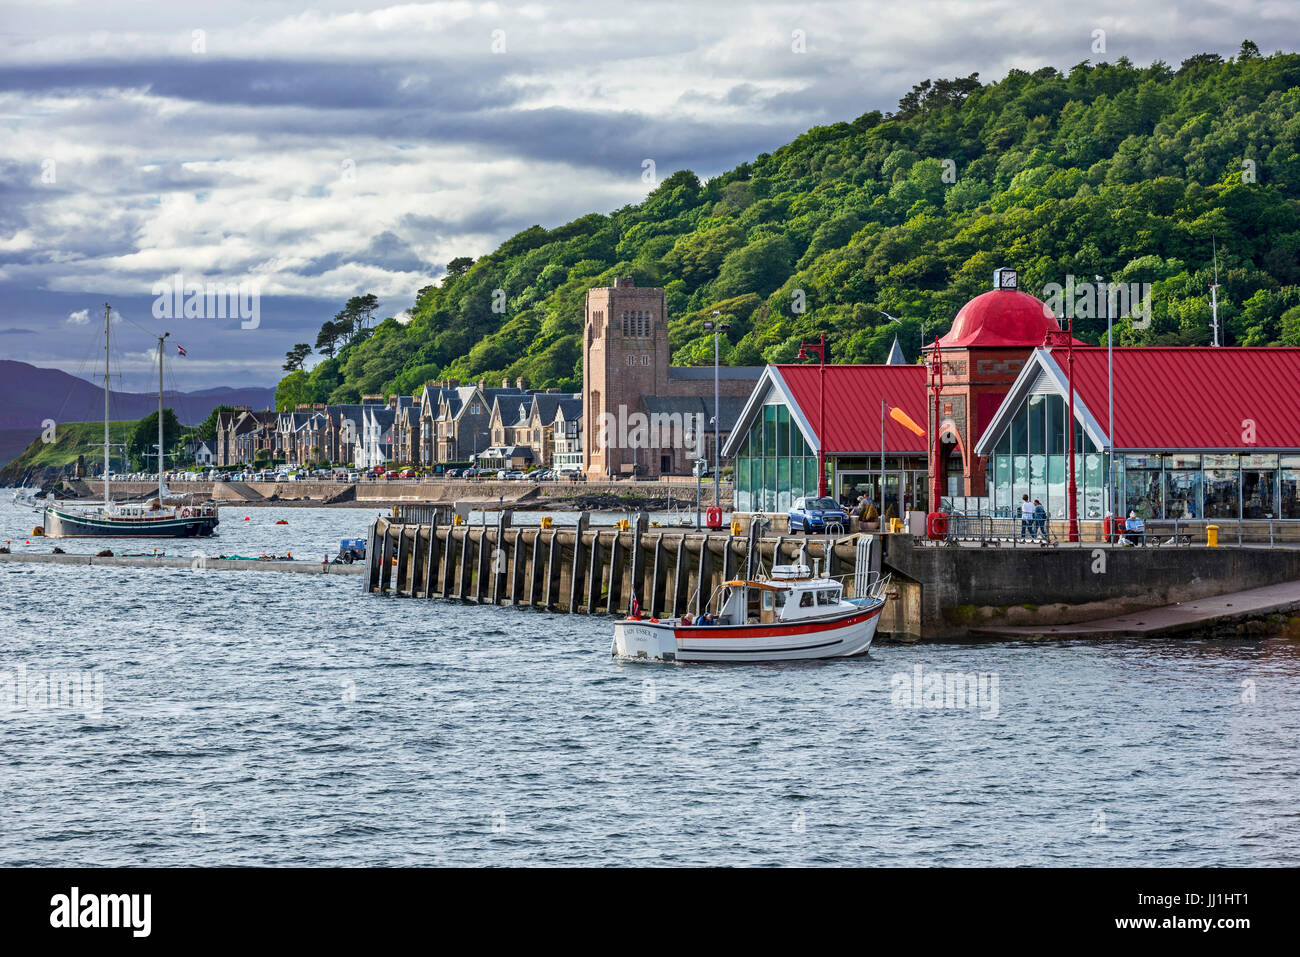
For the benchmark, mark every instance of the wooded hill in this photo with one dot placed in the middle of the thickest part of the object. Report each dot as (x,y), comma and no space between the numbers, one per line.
(1110,169)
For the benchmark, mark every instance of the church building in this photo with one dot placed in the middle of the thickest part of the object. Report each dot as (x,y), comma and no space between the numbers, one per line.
(642,416)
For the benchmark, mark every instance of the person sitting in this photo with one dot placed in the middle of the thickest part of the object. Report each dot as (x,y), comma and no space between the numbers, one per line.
(705,619)
(686,619)
(1136,528)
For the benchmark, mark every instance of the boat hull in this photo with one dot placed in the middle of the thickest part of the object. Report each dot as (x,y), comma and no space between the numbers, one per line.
(65,524)
(842,637)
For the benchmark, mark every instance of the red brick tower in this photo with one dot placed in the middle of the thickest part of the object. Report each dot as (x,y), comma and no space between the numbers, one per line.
(983,353)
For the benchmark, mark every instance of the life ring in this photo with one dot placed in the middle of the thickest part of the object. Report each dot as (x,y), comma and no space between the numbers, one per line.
(937,525)
(185,513)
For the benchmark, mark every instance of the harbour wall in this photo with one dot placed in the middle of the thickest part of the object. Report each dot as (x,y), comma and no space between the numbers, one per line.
(380,493)
(947,591)
(937,592)
(579,569)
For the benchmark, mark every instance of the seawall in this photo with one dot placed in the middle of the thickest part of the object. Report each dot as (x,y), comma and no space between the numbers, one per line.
(948,591)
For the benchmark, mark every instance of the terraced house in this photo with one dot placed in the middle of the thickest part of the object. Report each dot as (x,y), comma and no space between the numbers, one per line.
(523,429)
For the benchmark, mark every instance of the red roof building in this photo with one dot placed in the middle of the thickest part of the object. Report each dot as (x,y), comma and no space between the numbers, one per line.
(1199,432)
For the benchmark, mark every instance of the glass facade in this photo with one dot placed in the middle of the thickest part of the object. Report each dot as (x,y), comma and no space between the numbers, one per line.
(1211,485)
(1032,459)
(774,465)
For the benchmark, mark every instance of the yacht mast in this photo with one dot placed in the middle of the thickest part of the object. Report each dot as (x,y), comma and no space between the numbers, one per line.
(107,462)
(161,488)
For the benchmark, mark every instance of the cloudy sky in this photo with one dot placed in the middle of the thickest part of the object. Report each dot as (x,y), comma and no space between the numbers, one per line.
(333,149)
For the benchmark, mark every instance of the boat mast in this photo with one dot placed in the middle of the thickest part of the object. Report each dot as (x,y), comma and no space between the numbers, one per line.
(107,462)
(160,415)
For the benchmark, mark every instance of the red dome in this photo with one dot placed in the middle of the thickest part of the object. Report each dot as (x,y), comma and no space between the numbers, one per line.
(1001,317)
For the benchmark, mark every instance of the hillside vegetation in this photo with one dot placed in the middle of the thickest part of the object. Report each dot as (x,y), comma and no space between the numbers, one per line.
(70,440)
(1108,169)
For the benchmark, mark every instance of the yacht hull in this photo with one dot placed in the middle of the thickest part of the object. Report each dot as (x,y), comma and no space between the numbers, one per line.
(60,523)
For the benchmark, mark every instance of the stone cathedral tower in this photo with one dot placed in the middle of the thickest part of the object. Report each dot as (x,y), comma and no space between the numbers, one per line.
(626,342)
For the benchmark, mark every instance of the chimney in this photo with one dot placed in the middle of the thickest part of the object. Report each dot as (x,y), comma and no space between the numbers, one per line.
(624,282)
(482,385)
(453,383)
(505,382)
(519,384)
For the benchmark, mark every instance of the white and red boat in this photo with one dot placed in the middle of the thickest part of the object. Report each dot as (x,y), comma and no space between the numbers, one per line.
(792,615)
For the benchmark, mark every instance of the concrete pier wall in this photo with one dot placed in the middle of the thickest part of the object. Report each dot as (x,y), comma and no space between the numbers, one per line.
(944,592)
(579,569)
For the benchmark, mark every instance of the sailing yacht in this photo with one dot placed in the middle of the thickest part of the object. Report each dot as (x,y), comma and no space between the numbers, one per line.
(152,519)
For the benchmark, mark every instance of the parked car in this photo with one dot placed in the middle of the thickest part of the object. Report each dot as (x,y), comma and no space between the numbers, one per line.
(453,473)
(513,476)
(814,514)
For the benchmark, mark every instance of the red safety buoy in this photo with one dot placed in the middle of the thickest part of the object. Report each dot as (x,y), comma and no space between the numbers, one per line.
(713,516)
(936,525)
(185,513)
(245,518)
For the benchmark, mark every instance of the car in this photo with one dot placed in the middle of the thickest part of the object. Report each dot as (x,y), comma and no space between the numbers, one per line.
(813,514)
(514,475)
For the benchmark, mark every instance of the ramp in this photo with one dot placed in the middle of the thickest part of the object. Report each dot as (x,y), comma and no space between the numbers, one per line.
(1167,619)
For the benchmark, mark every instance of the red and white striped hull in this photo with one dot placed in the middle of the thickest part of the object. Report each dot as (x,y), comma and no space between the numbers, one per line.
(841,637)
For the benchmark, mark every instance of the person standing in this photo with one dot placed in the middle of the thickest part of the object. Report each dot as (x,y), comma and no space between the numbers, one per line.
(1026,517)
(1040,520)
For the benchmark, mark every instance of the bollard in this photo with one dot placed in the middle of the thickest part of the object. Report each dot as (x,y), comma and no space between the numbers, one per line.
(1212,536)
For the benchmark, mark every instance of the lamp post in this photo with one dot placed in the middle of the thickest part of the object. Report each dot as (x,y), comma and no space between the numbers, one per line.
(820,348)
(715,326)
(936,457)
(1110,405)
(1072,489)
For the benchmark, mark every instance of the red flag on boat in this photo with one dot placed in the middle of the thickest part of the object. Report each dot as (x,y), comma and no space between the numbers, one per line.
(181,349)
(636,608)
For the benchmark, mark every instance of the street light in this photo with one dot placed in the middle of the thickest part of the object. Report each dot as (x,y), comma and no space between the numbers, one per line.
(820,348)
(715,326)
(1110,403)
(1072,490)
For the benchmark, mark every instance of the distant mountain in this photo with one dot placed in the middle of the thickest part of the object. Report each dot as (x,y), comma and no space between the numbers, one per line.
(29,395)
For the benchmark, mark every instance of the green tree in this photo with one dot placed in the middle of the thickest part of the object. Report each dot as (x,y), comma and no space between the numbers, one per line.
(208,429)
(142,444)
(295,357)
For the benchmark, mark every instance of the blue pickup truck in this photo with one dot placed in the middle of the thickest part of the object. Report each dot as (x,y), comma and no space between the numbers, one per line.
(352,550)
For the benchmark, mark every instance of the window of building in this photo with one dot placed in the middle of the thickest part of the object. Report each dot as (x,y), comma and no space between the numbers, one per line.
(1289,486)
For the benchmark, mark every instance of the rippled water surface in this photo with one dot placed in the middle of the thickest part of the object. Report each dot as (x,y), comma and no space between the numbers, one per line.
(260,718)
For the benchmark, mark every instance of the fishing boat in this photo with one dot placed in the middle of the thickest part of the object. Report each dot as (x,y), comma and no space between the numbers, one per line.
(795,614)
(155,518)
